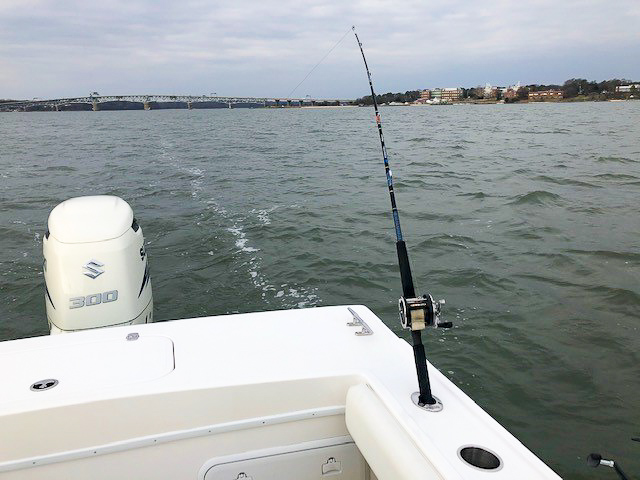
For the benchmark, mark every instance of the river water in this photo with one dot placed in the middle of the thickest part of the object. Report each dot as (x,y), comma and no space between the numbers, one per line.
(524,217)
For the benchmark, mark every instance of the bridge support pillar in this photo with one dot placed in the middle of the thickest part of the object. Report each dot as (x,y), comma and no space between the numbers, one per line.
(313,103)
(300,102)
(56,107)
(229,104)
(96,106)
(147,105)
(288,103)
(189,105)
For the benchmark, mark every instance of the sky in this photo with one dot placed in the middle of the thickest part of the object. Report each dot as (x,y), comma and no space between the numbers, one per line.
(264,48)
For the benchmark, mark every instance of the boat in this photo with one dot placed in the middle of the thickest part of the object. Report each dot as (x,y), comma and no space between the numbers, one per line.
(303,394)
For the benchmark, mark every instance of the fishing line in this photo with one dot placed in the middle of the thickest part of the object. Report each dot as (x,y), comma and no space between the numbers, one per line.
(321,60)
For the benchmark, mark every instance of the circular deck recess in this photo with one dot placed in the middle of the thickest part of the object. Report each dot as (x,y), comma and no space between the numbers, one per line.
(479,457)
(44,385)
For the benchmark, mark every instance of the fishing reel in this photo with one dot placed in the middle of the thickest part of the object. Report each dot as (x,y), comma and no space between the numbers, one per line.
(421,312)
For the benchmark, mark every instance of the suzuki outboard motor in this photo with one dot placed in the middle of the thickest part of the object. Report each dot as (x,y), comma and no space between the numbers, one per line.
(95,266)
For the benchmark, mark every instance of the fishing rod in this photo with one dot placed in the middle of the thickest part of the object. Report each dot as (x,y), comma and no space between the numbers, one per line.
(416,313)
(595,460)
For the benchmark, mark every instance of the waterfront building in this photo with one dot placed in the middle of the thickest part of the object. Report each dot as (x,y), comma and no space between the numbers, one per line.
(451,94)
(425,97)
(545,95)
(627,88)
(510,92)
(490,92)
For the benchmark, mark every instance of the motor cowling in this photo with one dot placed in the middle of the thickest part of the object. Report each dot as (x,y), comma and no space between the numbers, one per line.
(95,266)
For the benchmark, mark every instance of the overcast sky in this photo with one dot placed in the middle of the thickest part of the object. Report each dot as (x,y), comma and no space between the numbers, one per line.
(68,48)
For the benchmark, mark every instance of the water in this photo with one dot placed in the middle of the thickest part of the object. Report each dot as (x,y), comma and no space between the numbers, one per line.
(524,217)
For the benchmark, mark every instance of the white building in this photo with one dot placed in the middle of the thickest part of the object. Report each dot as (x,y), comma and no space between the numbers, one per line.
(627,88)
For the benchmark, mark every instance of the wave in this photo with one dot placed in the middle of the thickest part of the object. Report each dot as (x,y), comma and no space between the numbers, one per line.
(476,195)
(608,255)
(449,242)
(537,197)
(411,182)
(620,300)
(616,176)
(615,160)
(592,210)
(525,233)
(476,279)
(60,168)
(565,181)
(549,280)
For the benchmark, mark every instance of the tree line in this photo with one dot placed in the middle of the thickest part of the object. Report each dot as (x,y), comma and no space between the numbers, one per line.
(408,96)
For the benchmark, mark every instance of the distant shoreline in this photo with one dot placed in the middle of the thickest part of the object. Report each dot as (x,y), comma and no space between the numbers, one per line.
(83,107)
(314,107)
(502,102)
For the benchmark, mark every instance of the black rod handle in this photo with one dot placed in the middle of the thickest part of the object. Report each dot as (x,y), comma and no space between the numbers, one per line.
(408,290)
(619,471)
(425,397)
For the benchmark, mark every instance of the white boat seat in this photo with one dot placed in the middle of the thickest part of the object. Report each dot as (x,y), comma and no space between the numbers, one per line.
(387,448)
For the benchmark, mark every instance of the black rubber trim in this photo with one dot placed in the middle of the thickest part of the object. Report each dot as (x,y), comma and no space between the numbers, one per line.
(145,279)
(135,225)
(49,296)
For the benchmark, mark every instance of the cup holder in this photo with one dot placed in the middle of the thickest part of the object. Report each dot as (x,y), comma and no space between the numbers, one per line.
(479,457)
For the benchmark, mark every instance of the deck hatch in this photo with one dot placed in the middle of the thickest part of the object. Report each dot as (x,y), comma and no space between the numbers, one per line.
(84,366)
(342,460)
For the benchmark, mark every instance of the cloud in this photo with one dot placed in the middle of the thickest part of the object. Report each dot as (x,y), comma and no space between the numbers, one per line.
(264,48)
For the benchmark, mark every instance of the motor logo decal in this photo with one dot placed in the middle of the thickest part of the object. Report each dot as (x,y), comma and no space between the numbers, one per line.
(93,269)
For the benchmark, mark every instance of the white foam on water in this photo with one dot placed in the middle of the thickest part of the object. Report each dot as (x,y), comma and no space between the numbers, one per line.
(196,183)
(300,297)
(291,297)
(254,263)
(241,238)
(213,205)
(263,214)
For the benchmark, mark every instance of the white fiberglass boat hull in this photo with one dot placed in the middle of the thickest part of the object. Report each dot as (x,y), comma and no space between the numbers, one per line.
(273,393)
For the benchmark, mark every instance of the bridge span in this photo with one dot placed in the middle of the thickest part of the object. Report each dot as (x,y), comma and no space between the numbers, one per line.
(151,102)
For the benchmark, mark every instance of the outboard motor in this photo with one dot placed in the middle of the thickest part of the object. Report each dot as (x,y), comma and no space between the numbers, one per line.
(95,266)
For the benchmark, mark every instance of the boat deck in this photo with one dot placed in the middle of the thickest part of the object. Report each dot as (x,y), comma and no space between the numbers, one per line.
(244,380)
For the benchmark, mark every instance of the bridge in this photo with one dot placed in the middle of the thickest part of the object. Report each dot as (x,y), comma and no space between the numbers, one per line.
(151,102)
